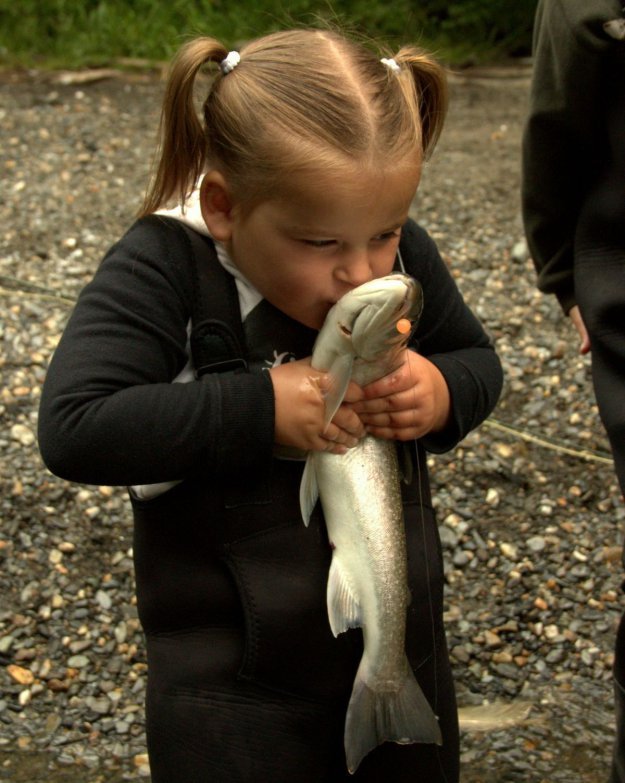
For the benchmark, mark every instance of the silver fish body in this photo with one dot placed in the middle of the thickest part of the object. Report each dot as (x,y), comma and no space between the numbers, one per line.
(361,500)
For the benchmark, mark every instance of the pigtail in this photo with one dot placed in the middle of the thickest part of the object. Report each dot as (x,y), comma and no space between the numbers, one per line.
(300,99)
(429,87)
(182,147)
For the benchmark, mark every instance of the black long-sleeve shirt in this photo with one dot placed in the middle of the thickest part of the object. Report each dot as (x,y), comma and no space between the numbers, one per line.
(110,413)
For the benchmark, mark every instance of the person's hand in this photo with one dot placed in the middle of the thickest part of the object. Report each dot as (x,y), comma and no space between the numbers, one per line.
(580,326)
(406,404)
(300,410)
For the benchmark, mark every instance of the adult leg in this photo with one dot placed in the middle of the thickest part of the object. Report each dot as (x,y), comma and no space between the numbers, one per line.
(600,288)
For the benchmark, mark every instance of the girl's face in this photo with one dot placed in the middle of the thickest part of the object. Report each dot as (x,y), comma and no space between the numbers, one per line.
(304,249)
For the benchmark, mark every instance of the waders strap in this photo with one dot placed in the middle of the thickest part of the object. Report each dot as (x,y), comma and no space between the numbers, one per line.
(217,341)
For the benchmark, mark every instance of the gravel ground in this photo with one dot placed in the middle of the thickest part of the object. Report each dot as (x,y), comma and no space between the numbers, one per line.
(529,509)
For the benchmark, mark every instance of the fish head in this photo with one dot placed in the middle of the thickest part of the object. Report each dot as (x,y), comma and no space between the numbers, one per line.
(367,316)
(360,339)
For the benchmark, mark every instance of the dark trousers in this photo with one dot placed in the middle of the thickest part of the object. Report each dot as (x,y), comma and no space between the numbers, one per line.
(245,681)
(600,291)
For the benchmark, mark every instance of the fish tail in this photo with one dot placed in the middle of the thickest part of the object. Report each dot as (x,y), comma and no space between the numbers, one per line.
(402,715)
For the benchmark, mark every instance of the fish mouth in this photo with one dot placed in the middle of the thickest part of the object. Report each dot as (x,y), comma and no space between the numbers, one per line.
(374,330)
(370,322)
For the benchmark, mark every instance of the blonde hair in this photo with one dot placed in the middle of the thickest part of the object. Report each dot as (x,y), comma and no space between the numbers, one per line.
(297,100)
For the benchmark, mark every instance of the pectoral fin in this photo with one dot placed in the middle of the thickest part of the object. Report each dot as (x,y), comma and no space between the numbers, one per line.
(308,489)
(340,373)
(344,609)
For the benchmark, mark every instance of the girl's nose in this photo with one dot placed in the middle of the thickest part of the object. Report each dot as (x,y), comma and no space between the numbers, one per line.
(354,268)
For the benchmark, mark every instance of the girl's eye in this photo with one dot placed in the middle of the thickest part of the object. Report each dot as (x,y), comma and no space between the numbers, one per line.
(318,242)
(387,236)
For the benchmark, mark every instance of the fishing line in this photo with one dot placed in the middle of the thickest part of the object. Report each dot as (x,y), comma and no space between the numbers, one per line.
(427,569)
(585,454)
(20,294)
(405,327)
(429,584)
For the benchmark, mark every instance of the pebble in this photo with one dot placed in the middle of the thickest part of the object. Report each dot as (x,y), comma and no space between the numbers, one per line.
(78,662)
(100,705)
(536,543)
(6,642)
(492,497)
(509,550)
(20,675)
(22,434)
(104,599)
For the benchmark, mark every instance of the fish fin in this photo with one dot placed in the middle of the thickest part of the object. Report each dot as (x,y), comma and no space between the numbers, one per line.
(308,489)
(495,716)
(402,715)
(340,373)
(344,609)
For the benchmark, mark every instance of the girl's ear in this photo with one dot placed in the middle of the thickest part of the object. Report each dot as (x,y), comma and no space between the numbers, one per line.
(216,206)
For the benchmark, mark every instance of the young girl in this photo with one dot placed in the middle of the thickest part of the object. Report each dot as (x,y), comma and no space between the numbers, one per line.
(301,176)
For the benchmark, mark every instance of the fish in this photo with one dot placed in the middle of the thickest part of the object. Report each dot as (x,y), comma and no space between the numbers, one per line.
(496,716)
(360,494)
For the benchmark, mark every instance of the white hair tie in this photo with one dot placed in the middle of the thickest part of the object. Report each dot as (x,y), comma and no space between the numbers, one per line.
(230,62)
(391,64)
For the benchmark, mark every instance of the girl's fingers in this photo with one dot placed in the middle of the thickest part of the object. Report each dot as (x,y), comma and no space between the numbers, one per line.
(337,436)
(394,420)
(393,402)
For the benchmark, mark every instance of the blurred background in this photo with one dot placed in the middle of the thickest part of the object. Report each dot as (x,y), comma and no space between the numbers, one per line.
(95,33)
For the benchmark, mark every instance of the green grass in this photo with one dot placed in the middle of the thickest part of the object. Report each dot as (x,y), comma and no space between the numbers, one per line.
(83,33)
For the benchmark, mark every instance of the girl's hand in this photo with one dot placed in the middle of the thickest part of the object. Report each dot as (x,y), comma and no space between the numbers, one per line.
(406,404)
(578,323)
(300,409)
